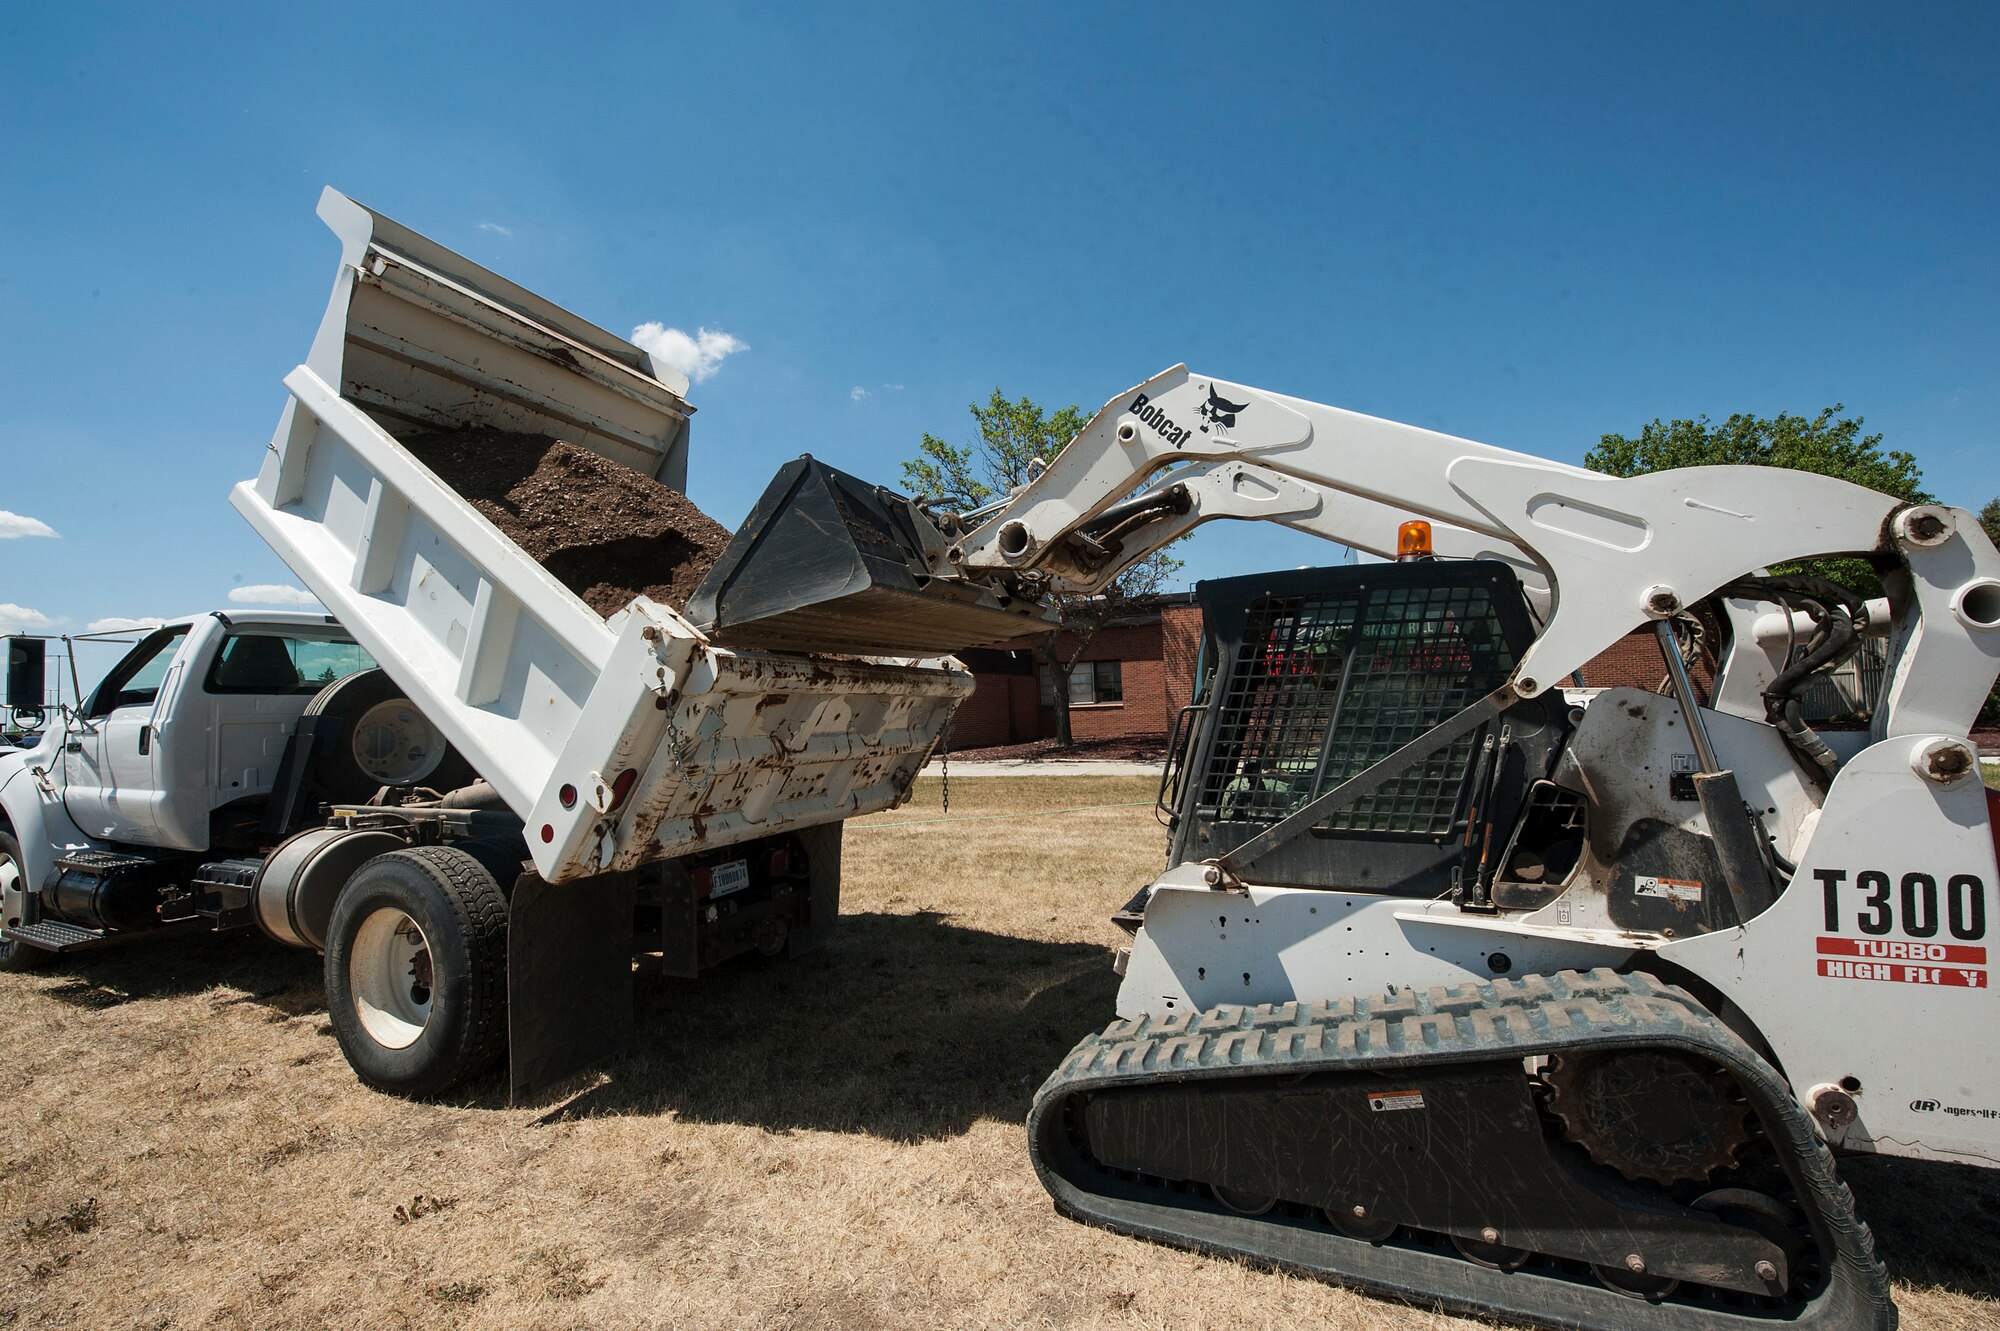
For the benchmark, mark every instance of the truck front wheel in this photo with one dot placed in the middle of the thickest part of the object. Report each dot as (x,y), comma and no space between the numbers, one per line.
(13,893)
(416,970)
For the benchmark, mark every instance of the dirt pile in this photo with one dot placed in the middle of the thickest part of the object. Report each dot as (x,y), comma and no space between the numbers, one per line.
(607,532)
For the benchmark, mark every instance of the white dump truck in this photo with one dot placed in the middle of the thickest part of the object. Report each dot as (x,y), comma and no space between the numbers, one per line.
(480,798)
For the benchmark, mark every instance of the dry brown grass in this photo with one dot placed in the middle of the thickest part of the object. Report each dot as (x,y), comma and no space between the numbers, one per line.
(835,1142)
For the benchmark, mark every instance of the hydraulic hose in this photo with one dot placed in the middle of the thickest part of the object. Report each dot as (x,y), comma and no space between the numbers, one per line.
(1835,612)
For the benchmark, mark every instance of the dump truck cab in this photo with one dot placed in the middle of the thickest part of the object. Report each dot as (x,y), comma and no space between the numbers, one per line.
(192,721)
(177,748)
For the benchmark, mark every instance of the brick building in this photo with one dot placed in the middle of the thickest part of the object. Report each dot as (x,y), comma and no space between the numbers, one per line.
(1634,662)
(1135,675)
(1139,671)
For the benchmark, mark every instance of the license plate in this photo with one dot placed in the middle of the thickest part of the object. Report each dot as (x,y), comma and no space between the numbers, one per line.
(726,878)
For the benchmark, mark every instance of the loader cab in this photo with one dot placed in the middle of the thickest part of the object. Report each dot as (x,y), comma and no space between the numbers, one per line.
(1313,675)
(193,719)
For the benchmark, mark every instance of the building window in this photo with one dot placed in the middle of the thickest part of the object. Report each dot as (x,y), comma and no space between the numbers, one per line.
(1090,682)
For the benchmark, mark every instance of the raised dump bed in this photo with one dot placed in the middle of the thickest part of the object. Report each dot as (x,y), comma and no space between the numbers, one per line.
(620,738)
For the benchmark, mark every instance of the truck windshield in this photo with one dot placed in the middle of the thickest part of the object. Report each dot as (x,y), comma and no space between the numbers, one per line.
(265,661)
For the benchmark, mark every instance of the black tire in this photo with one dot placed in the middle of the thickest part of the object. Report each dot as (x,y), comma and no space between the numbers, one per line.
(462,915)
(338,776)
(19,956)
(506,859)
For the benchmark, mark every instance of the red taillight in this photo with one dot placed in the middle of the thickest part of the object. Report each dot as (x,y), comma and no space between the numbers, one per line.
(567,795)
(781,862)
(621,787)
(548,833)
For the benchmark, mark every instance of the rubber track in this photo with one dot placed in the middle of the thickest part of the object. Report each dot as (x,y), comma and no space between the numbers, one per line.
(1505,1019)
(481,908)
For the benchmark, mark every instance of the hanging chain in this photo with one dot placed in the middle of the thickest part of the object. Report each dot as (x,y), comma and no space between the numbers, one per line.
(677,743)
(944,757)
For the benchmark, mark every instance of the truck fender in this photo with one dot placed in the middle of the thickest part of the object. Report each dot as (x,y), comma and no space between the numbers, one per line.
(36,818)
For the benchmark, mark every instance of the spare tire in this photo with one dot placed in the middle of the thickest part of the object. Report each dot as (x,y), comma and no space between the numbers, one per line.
(384,740)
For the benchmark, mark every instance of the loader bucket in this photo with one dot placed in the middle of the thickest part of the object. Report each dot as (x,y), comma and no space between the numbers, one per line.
(829,563)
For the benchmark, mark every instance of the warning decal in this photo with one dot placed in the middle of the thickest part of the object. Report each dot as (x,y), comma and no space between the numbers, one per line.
(1382,1101)
(1674,889)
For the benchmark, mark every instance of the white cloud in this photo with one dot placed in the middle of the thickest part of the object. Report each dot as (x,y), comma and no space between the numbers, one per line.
(858,394)
(892,388)
(698,356)
(13,526)
(120,623)
(273,593)
(20,619)
(495,228)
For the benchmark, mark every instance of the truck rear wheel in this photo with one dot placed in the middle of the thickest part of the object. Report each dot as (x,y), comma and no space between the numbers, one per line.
(13,894)
(416,970)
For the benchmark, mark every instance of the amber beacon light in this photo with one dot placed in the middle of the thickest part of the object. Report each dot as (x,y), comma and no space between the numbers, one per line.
(1413,540)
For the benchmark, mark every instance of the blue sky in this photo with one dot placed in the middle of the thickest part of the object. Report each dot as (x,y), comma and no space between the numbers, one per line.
(1527,225)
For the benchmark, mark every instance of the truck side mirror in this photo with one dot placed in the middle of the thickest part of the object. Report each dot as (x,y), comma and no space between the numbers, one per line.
(27,660)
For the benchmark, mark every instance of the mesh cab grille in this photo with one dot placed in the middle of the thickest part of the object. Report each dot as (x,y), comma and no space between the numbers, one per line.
(1323,685)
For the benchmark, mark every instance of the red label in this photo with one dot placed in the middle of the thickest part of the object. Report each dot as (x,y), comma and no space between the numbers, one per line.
(1886,949)
(1959,976)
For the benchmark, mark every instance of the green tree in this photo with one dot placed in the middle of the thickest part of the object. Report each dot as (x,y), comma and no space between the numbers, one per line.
(1015,438)
(1828,444)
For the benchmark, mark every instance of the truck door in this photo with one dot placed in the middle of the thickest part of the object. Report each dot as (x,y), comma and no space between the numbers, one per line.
(110,769)
(256,686)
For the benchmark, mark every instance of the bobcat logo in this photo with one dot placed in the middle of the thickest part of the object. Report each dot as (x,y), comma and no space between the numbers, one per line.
(1219,412)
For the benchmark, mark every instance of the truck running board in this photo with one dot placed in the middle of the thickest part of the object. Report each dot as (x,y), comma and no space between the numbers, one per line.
(57,936)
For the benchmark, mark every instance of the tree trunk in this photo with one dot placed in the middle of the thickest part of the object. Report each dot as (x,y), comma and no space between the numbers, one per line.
(1059,673)
(1085,634)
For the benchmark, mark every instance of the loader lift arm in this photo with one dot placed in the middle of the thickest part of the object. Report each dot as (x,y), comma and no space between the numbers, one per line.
(1597,555)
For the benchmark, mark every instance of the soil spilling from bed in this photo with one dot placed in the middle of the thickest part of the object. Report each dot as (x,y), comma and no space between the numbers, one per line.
(606,532)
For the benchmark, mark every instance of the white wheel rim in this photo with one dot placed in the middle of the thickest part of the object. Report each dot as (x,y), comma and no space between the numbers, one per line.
(10,892)
(389,971)
(396,744)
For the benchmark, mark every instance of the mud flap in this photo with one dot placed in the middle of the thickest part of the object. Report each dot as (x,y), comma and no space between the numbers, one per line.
(822,847)
(569,978)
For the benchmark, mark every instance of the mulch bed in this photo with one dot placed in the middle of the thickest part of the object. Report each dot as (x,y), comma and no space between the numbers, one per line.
(1127,749)
(1153,748)
(606,532)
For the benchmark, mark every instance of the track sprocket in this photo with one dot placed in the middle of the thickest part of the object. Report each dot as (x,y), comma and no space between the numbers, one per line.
(1657,1115)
